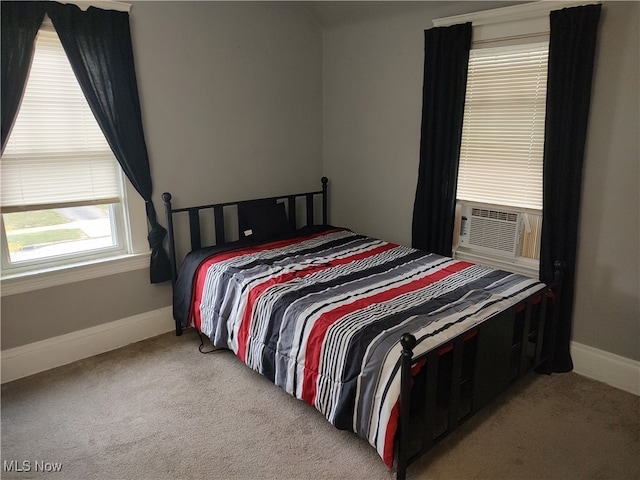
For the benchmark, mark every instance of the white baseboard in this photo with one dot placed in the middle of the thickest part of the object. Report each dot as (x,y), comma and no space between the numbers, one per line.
(53,352)
(19,362)
(614,370)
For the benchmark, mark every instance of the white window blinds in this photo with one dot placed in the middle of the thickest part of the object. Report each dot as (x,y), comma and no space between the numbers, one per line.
(503,129)
(56,155)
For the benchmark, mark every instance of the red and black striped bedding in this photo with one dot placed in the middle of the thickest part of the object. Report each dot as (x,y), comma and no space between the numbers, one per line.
(321,316)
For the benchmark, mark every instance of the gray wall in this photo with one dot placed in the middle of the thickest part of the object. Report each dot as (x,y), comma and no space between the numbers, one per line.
(372,97)
(231,95)
(245,99)
(607,313)
(49,312)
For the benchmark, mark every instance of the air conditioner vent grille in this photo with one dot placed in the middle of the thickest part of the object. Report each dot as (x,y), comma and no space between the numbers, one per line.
(494,214)
(491,234)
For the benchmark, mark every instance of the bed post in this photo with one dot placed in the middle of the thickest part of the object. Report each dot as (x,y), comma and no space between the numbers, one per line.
(408,342)
(558,273)
(556,288)
(324,180)
(166,198)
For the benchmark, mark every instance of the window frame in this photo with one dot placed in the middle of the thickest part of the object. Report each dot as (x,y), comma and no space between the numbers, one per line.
(528,206)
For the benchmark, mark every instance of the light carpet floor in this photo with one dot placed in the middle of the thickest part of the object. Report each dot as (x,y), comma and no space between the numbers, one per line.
(159,409)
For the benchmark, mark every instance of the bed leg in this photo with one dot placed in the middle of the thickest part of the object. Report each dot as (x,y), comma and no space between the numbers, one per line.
(178,328)
(408,343)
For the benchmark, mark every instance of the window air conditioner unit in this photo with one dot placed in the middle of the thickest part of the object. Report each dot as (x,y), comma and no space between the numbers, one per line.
(490,230)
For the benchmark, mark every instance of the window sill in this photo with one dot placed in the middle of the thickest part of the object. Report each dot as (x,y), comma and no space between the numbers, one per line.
(12,284)
(522,266)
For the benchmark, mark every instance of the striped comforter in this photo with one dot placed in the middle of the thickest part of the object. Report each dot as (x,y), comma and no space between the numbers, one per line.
(321,316)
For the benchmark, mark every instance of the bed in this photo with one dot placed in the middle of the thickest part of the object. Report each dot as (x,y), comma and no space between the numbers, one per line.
(398,345)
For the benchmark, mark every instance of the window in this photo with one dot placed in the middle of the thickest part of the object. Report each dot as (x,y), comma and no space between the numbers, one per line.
(63,194)
(500,173)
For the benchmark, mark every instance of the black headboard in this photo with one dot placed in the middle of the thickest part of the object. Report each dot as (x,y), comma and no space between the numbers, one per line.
(217,215)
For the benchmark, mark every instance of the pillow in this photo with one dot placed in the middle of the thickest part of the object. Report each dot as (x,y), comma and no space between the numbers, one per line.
(264,221)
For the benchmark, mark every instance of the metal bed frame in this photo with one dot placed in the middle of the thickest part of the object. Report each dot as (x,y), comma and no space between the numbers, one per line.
(442,388)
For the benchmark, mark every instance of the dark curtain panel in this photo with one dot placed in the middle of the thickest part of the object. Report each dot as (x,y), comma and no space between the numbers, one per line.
(20,24)
(446,58)
(98,44)
(572,46)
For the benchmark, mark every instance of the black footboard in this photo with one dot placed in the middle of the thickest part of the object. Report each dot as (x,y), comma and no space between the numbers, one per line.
(459,378)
